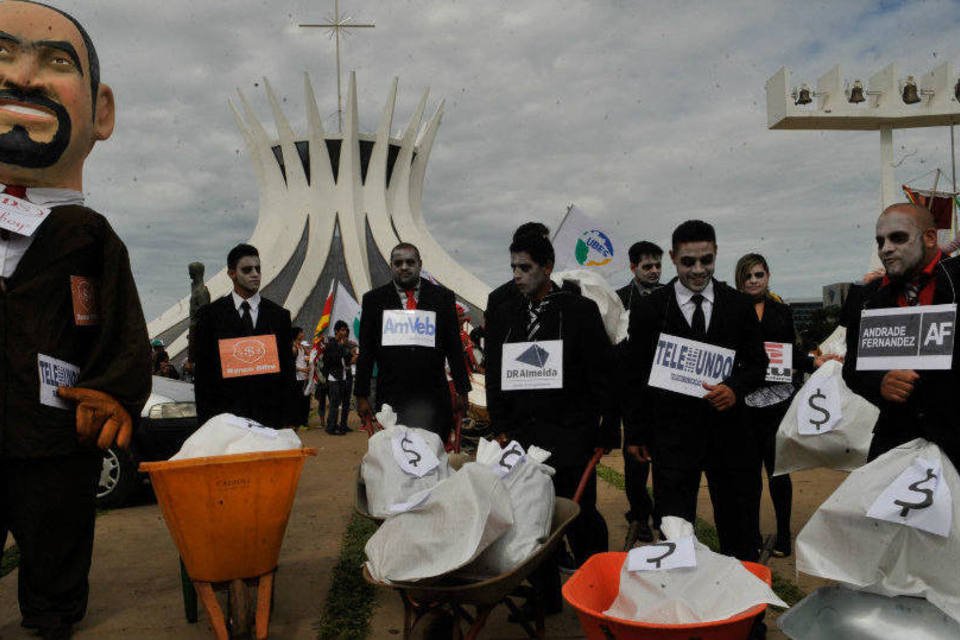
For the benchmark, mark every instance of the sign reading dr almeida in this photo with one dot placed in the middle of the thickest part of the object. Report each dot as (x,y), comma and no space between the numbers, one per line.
(532,365)
(907,338)
(683,365)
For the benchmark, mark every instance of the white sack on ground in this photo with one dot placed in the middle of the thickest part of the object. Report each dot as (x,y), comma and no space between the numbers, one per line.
(532,496)
(596,288)
(840,542)
(462,516)
(841,445)
(400,463)
(226,434)
(836,343)
(718,588)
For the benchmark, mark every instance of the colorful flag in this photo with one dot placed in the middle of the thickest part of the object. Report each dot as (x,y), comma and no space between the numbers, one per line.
(582,242)
(324,317)
(347,309)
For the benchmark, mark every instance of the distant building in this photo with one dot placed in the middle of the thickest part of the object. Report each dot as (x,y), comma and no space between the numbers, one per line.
(834,295)
(803,311)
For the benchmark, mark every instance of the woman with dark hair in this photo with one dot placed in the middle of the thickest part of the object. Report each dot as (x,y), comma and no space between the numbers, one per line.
(766,406)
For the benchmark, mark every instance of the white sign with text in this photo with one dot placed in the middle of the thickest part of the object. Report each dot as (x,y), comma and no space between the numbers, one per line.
(532,365)
(665,555)
(684,365)
(907,338)
(780,367)
(55,373)
(409,328)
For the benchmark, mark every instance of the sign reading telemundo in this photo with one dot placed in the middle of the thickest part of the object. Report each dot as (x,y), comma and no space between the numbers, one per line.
(683,365)
(906,338)
(532,365)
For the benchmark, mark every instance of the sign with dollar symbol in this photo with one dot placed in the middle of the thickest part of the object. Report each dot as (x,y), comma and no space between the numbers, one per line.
(669,554)
(918,498)
(413,454)
(818,405)
(511,456)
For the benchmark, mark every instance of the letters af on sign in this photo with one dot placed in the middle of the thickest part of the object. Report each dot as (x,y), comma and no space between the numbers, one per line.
(409,328)
(683,365)
(907,338)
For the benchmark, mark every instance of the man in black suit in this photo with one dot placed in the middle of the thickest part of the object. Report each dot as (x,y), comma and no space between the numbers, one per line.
(252,378)
(685,435)
(646,266)
(408,328)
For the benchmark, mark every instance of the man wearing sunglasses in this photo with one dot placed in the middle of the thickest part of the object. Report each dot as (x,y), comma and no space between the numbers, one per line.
(244,363)
(684,435)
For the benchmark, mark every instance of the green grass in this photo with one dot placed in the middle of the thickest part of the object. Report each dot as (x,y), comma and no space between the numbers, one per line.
(349,605)
(9,560)
(707,534)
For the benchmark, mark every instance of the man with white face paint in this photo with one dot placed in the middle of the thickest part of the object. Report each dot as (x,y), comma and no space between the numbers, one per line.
(912,403)
(682,435)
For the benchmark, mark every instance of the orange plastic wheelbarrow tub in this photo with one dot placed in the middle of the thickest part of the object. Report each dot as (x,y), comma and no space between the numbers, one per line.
(228,515)
(593,588)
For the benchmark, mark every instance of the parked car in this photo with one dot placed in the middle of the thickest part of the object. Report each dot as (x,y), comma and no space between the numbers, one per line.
(168,418)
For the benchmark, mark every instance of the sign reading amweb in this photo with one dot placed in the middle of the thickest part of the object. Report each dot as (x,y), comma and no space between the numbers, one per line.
(683,365)
(907,338)
(409,328)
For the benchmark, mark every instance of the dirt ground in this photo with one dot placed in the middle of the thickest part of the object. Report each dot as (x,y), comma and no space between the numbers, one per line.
(135,583)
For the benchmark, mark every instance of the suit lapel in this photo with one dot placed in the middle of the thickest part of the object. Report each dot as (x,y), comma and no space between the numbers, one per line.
(714,327)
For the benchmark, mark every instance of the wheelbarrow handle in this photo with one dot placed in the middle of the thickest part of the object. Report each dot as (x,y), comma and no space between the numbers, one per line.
(370,425)
(591,465)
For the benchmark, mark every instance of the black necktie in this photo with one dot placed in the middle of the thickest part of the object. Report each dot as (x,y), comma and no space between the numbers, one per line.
(699,323)
(246,319)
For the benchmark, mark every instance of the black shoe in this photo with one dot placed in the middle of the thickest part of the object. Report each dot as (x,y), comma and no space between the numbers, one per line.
(345,429)
(59,632)
(782,549)
(644,532)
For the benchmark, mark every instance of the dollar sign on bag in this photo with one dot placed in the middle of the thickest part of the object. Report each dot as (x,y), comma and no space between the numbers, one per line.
(512,451)
(671,547)
(826,414)
(924,503)
(415,457)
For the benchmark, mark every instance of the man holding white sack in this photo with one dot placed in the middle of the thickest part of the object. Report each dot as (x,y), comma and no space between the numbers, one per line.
(695,351)
(914,401)
(408,327)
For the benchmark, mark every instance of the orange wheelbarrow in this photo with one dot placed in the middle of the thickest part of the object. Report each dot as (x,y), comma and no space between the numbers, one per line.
(227,515)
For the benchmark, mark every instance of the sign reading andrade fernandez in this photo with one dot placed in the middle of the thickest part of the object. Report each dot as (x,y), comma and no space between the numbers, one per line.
(906,338)
(409,328)
(683,365)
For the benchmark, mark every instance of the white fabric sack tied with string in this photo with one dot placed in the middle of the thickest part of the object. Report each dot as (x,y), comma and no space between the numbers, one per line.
(852,539)
(390,479)
(717,588)
(825,402)
(460,518)
(226,434)
(594,286)
(836,343)
(532,497)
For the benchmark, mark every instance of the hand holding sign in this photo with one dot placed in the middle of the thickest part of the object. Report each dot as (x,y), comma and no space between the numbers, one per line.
(720,396)
(100,417)
(897,385)
(669,554)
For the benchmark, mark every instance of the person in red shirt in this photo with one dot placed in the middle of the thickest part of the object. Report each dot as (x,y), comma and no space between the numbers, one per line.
(913,404)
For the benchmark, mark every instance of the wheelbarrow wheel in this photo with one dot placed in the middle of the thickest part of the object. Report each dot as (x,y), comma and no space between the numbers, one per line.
(239,610)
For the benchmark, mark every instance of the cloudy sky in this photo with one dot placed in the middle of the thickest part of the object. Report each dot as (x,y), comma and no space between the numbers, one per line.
(643,113)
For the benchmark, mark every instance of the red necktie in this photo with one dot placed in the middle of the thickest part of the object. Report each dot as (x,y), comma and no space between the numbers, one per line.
(411,299)
(16,192)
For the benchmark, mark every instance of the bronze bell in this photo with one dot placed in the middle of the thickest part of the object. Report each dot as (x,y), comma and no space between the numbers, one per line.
(910,93)
(856,93)
(802,96)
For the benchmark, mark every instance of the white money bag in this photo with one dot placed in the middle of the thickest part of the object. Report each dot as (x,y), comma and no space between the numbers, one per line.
(875,532)
(827,425)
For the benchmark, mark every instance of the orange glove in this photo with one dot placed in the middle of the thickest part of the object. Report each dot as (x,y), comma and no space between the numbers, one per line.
(99,416)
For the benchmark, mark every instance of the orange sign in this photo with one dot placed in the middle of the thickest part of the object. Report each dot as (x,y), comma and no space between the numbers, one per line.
(249,356)
(84,293)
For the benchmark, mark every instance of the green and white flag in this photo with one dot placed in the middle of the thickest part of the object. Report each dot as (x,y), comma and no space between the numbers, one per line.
(347,309)
(582,242)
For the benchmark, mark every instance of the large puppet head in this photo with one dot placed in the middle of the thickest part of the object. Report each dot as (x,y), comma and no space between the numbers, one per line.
(52,104)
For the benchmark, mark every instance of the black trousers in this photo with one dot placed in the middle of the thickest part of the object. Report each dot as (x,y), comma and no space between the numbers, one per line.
(635,474)
(339,402)
(733,493)
(49,505)
(765,422)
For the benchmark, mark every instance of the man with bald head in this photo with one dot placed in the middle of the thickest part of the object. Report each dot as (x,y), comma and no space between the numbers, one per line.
(74,354)
(912,404)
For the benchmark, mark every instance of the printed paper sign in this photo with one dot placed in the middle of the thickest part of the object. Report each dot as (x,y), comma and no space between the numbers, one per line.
(512,455)
(780,355)
(409,328)
(20,216)
(683,365)
(84,293)
(819,406)
(249,356)
(55,373)
(906,338)
(413,454)
(669,554)
(532,365)
(918,498)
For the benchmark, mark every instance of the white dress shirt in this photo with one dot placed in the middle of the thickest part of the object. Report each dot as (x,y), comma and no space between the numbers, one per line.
(687,305)
(13,248)
(253,301)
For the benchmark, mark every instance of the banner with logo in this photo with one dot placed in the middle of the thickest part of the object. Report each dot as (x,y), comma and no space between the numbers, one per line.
(347,309)
(683,365)
(249,356)
(532,365)
(409,328)
(582,242)
(780,366)
(907,338)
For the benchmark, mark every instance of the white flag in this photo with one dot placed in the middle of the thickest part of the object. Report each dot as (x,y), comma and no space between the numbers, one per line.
(582,242)
(347,309)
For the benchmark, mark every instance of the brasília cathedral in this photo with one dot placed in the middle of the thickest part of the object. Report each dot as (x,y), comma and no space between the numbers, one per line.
(332,206)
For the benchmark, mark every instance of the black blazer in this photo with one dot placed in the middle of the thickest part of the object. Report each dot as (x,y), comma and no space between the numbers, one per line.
(405,373)
(268,399)
(682,431)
